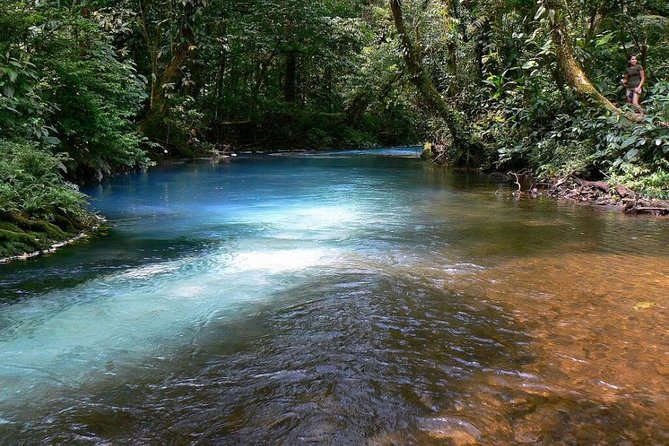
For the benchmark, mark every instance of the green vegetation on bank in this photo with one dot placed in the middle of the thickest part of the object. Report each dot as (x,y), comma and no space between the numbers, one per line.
(92,88)
(37,206)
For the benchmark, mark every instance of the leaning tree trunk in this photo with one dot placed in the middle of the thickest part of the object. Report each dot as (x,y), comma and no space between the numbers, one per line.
(463,136)
(572,71)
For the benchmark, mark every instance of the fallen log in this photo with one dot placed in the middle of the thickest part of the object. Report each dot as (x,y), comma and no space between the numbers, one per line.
(624,191)
(651,208)
(602,185)
(601,193)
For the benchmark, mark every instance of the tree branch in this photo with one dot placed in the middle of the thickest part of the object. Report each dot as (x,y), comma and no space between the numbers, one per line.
(463,136)
(570,67)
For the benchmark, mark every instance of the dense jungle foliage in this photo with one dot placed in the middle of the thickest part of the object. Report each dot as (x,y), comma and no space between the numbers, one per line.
(91,88)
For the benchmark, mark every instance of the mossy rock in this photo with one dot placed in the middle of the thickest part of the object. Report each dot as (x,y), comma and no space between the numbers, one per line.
(7,226)
(12,249)
(17,237)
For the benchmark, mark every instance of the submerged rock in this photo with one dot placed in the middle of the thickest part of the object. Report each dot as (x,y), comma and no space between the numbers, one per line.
(459,431)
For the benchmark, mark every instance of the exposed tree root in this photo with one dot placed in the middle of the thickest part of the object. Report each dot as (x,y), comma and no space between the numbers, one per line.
(602,193)
(523,179)
(571,187)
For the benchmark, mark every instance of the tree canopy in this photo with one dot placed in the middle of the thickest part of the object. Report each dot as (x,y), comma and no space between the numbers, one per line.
(98,87)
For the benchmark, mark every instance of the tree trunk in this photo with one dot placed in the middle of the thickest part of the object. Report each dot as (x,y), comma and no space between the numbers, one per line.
(263,68)
(572,71)
(171,74)
(463,139)
(360,103)
(218,91)
(290,80)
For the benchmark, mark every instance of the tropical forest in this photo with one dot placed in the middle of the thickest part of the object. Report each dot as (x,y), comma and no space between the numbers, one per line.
(337,222)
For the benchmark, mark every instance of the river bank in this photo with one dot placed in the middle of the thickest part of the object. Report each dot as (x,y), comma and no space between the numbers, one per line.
(595,193)
(572,188)
(601,193)
(28,238)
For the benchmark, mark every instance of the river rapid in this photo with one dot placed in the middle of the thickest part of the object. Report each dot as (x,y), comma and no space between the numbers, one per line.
(345,298)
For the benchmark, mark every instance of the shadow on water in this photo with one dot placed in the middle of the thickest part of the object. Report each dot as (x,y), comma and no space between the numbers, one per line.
(110,253)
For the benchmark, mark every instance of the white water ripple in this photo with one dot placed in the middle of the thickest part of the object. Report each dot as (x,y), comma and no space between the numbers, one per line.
(67,337)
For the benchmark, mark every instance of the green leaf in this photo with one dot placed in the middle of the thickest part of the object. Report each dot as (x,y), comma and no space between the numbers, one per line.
(629,141)
(604,40)
(8,91)
(52,140)
(631,154)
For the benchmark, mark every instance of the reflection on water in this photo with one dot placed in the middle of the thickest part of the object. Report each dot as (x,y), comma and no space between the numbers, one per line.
(338,300)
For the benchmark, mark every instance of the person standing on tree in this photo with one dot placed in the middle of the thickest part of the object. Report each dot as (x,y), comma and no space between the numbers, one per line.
(635,77)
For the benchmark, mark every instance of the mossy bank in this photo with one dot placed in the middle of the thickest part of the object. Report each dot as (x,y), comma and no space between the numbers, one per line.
(22,236)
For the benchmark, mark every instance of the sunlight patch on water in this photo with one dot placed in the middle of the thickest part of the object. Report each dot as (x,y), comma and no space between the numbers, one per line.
(189,291)
(279,260)
(300,222)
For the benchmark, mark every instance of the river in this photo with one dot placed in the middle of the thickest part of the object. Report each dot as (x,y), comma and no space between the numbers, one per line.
(345,298)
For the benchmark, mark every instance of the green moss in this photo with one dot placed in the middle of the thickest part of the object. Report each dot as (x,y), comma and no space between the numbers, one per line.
(7,226)
(65,224)
(40,226)
(16,237)
(20,234)
(17,242)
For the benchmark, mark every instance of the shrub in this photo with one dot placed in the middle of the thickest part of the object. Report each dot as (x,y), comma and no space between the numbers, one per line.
(31,183)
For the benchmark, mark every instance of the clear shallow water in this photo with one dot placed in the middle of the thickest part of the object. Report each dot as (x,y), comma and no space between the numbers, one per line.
(343,298)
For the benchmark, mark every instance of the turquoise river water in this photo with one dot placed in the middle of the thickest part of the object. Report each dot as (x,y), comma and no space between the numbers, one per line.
(350,298)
